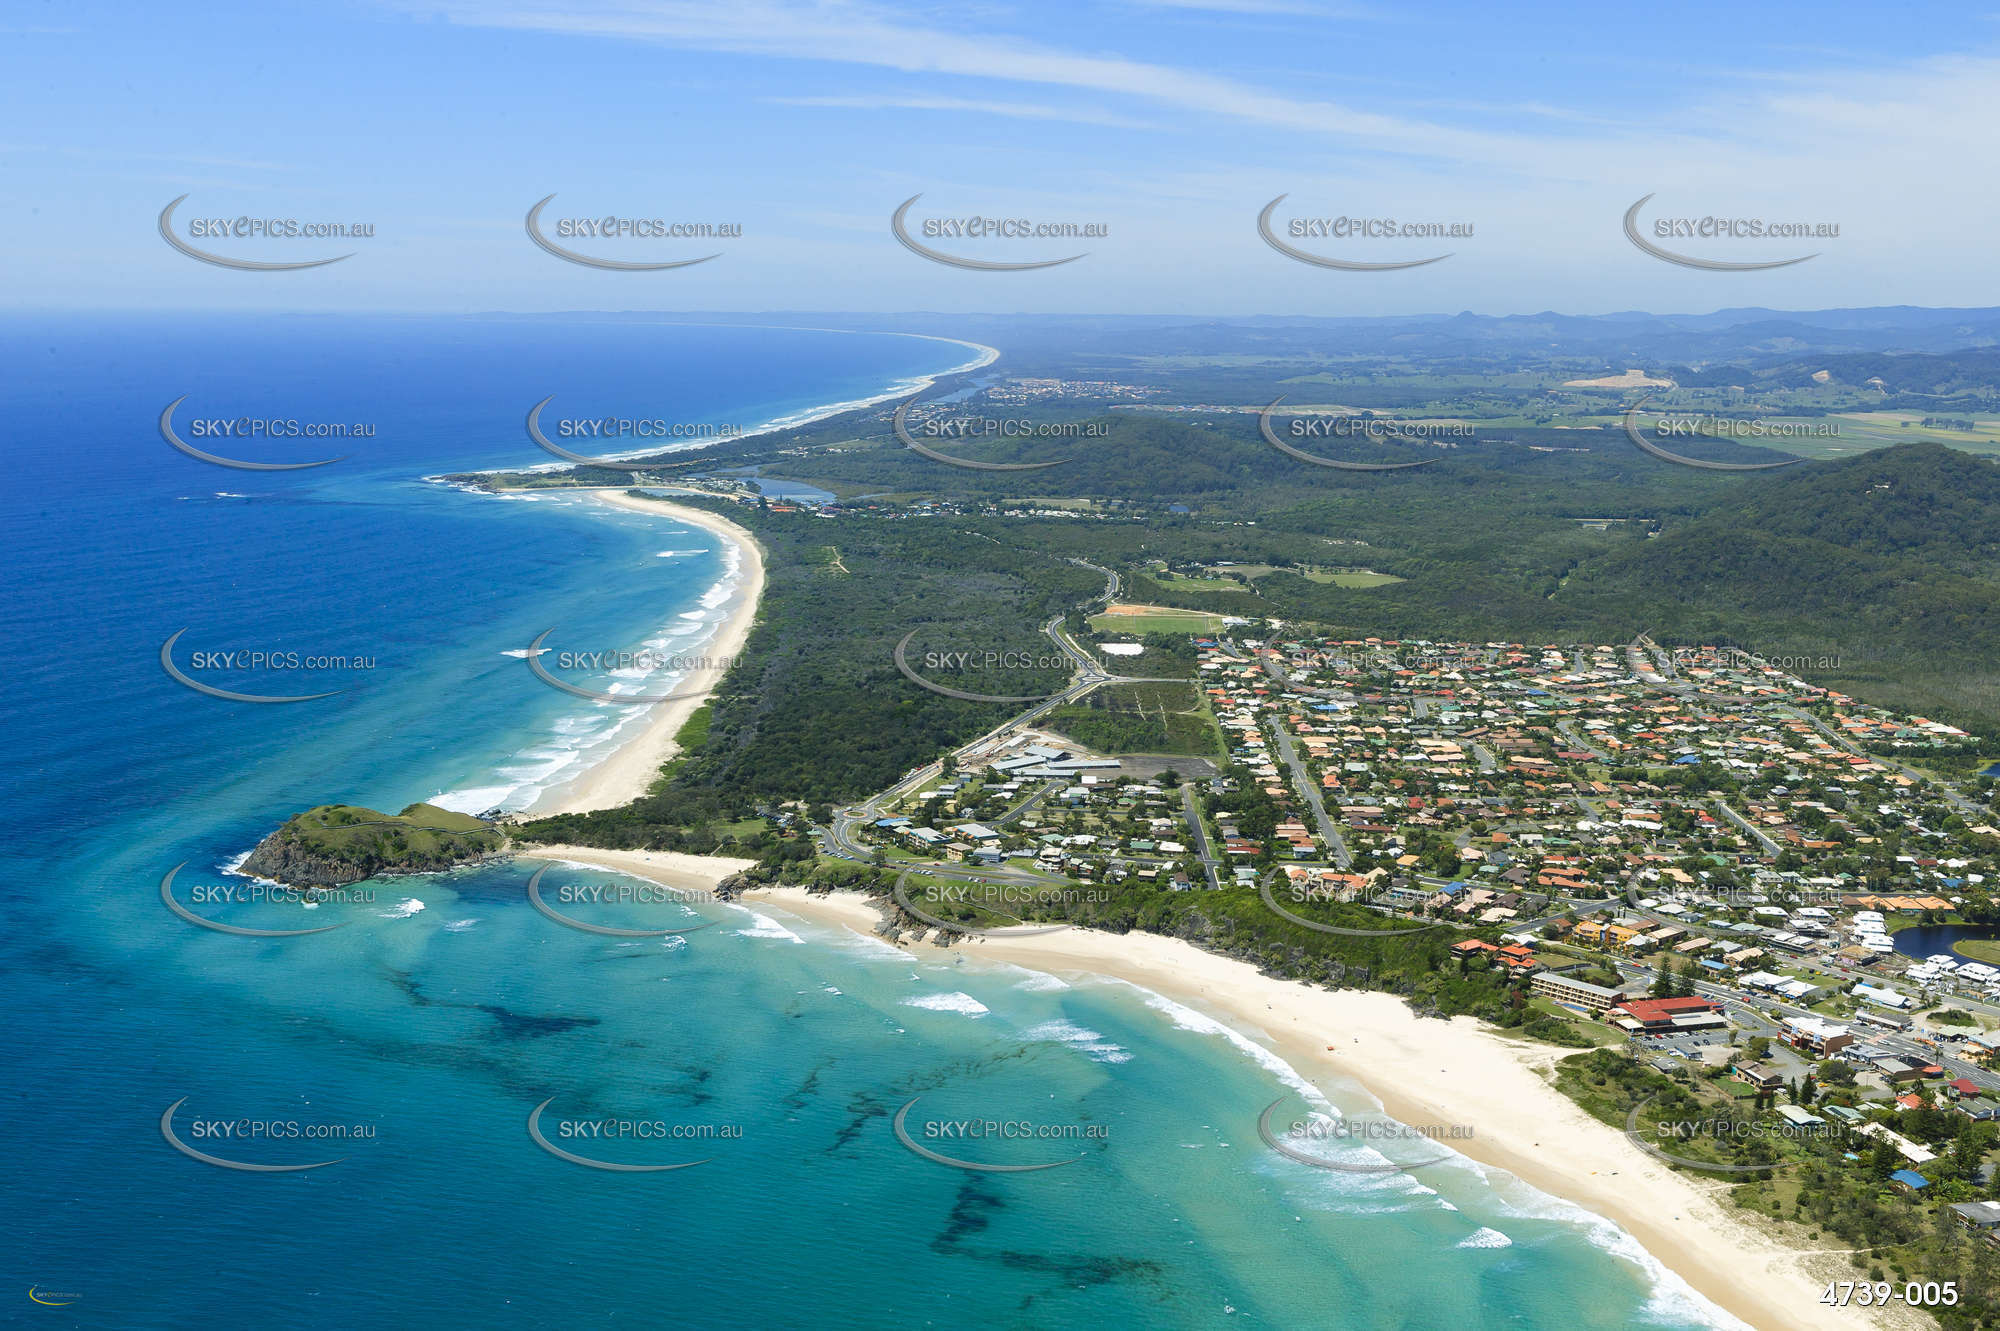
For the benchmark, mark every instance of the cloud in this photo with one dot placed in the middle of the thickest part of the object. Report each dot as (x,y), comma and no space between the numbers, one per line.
(1018,110)
(843,32)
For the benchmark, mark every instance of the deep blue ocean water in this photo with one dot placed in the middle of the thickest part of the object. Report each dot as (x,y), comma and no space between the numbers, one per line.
(447,1009)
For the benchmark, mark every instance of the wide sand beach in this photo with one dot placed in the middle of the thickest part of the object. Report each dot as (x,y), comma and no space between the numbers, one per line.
(1437,1073)
(630,770)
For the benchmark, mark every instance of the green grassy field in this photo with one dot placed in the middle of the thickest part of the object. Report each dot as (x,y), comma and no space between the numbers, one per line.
(1182,582)
(1142,718)
(1980,949)
(1143,619)
(1336,577)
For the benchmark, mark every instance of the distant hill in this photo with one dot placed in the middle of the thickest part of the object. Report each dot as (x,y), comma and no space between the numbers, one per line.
(1746,333)
(1887,563)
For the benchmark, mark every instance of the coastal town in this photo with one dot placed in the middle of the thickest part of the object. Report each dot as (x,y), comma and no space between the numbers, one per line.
(1744,883)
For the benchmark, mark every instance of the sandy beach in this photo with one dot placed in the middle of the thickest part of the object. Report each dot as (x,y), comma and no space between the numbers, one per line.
(671,868)
(629,770)
(1432,1072)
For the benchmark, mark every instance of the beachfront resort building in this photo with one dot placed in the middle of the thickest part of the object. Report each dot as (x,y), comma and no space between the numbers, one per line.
(1595,999)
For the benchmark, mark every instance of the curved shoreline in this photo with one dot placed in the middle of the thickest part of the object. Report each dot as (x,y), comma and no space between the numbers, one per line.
(1430,1070)
(900,388)
(629,769)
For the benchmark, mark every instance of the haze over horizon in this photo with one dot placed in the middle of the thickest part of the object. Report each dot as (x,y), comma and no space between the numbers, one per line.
(807,125)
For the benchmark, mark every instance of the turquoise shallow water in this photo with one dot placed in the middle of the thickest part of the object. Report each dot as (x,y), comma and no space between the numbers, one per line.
(774,1051)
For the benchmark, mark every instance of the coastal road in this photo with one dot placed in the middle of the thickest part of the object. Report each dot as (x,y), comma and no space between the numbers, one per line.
(1770,846)
(1646,668)
(1191,805)
(1343,858)
(1566,728)
(1951,795)
(842,839)
(1025,806)
(1764,1014)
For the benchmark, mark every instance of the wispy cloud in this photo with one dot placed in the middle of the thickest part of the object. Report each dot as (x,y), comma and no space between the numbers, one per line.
(1305,8)
(1018,110)
(844,32)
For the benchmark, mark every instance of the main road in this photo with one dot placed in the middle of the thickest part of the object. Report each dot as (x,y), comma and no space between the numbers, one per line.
(1343,859)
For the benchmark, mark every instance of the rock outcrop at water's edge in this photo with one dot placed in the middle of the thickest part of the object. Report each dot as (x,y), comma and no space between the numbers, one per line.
(337,844)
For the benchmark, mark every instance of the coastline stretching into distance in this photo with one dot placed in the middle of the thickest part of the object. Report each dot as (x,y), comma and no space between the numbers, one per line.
(983,356)
(1423,1070)
(627,771)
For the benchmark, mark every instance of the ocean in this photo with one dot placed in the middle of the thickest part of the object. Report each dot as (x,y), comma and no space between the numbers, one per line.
(771,1056)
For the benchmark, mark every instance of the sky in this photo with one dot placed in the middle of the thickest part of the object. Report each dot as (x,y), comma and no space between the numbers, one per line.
(1165,125)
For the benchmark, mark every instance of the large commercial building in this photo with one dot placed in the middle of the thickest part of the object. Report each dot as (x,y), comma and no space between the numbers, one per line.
(1592,998)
